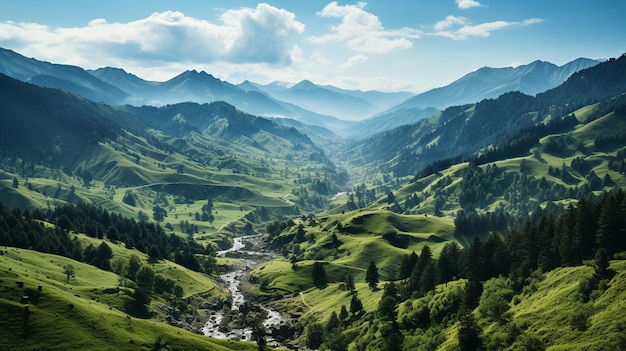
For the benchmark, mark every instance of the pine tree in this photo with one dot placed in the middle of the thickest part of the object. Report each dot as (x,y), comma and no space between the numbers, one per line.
(356,305)
(469,333)
(333,322)
(343,313)
(350,283)
(319,275)
(601,265)
(371,276)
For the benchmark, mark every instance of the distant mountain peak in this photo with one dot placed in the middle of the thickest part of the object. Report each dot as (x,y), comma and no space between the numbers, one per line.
(489,82)
(305,85)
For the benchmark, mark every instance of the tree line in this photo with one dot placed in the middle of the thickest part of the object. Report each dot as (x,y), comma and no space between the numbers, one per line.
(25,229)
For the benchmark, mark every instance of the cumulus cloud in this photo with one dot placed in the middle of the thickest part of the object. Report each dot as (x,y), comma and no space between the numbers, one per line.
(244,35)
(362,31)
(459,28)
(467,4)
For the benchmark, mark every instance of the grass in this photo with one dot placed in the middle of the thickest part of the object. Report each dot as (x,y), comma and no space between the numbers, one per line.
(363,242)
(192,282)
(90,324)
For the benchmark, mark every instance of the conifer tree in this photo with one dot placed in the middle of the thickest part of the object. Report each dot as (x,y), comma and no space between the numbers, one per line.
(371,276)
(319,275)
(350,283)
(356,305)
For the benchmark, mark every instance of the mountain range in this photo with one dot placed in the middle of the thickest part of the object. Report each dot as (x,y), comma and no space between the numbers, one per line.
(460,131)
(351,105)
(344,112)
(484,83)
(489,83)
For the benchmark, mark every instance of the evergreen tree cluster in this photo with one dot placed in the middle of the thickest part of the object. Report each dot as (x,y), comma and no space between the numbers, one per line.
(544,242)
(19,228)
(22,228)
(411,315)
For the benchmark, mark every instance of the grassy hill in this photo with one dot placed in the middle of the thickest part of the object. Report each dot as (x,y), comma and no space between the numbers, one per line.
(347,243)
(85,313)
(558,169)
(549,314)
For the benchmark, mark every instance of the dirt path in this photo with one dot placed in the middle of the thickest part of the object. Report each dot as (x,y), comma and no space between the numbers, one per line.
(303,301)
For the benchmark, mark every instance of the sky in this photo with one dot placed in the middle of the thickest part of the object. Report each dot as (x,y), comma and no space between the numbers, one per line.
(390,45)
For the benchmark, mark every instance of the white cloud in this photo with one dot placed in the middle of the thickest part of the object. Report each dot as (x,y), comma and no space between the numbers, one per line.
(467,4)
(459,28)
(244,35)
(354,60)
(362,31)
(449,22)
(260,33)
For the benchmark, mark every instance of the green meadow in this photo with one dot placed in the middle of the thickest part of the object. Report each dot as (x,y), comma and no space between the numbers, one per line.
(82,314)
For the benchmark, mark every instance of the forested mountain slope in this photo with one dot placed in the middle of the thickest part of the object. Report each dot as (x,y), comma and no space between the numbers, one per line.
(461,131)
(66,77)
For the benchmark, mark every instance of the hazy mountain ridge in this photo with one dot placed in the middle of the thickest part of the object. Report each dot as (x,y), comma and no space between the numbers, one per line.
(115,86)
(59,76)
(353,105)
(463,130)
(319,105)
(487,82)
(201,87)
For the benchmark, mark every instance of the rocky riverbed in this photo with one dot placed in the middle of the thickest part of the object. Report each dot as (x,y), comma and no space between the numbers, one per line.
(235,319)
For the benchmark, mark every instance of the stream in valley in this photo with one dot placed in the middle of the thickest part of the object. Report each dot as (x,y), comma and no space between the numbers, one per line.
(234,324)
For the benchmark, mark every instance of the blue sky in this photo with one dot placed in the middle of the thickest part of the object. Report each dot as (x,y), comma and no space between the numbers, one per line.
(385,45)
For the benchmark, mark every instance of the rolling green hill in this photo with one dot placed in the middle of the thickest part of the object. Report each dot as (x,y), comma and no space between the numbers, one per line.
(557,169)
(84,313)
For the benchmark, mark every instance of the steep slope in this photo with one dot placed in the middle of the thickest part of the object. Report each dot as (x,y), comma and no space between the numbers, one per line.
(56,128)
(224,121)
(71,78)
(379,124)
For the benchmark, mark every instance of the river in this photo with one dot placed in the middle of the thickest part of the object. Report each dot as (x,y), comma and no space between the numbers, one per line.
(235,328)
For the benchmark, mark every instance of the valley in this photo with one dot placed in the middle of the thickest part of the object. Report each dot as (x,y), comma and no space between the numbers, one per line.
(494,223)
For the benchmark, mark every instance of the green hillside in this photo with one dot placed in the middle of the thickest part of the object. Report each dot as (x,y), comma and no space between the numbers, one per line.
(560,168)
(83,313)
